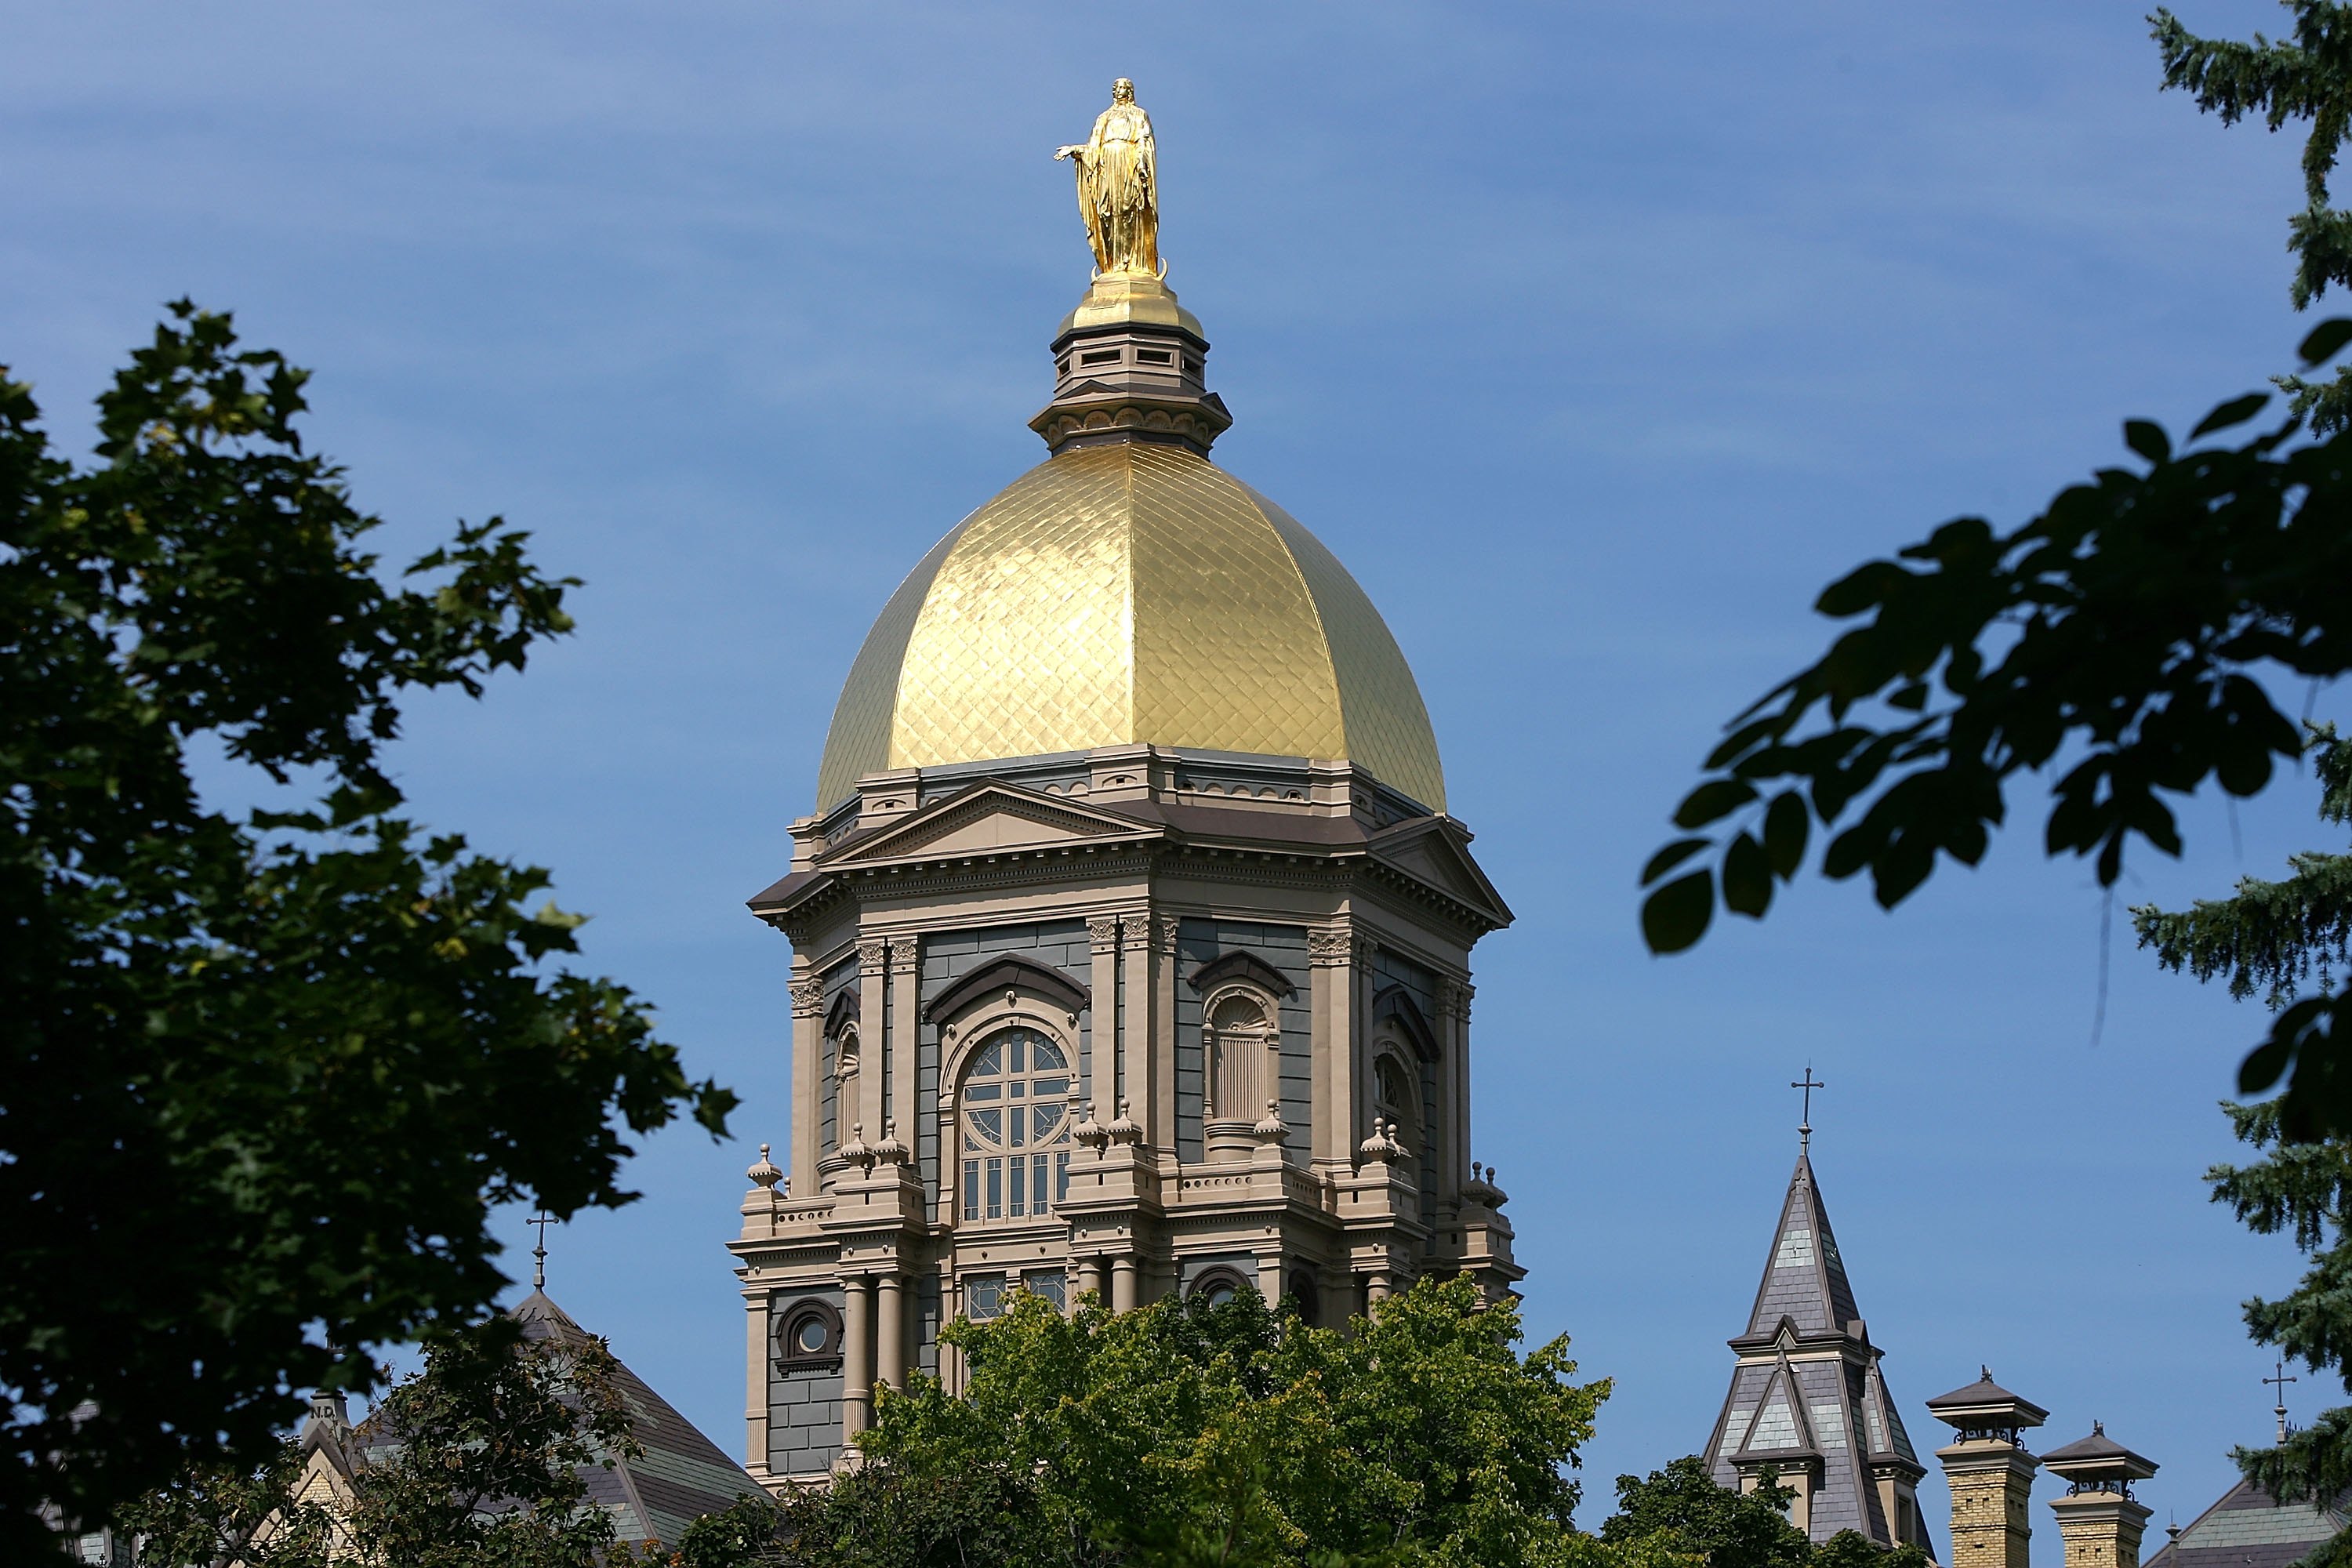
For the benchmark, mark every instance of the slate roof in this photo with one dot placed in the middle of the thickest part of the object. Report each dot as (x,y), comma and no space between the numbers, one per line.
(1804,1279)
(1984,1393)
(2251,1528)
(680,1476)
(1808,1386)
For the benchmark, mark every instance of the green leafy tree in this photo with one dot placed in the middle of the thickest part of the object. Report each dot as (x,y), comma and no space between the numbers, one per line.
(478,1461)
(2127,636)
(2306,77)
(1681,1511)
(1680,1514)
(2269,941)
(1188,1434)
(280,1064)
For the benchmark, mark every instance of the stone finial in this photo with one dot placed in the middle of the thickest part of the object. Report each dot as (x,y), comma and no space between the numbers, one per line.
(1089,1133)
(764,1172)
(1382,1144)
(1125,1129)
(1271,1128)
(1480,1188)
(890,1152)
(855,1151)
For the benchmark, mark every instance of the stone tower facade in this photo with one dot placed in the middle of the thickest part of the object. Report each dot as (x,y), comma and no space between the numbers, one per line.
(1990,1472)
(1807,1398)
(1131,938)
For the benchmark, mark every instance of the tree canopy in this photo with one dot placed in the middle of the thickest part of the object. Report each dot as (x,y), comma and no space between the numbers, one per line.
(2132,637)
(1186,1432)
(263,1074)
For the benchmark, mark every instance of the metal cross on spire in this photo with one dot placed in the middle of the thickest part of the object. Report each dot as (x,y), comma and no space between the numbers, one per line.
(1805,1128)
(2279,1379)
(538,1254)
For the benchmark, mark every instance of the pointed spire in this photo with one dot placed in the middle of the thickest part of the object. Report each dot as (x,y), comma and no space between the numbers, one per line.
(1807,1398)
(1804,1275)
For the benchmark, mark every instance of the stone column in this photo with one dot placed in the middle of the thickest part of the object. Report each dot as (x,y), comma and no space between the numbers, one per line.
(857,1358)
(1334,1033)
(1376,1290)
(1103,1025)
(1454,1001)
(873,980)
(890,1330)
(1122,1283)
(1269,1277)
(1159,1093)
(755,1380)
(1361,984)
(808,1061)
(904,1021)
(1140,1029)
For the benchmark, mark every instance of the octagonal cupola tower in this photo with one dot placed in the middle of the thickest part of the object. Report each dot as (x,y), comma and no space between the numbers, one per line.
(1131,938)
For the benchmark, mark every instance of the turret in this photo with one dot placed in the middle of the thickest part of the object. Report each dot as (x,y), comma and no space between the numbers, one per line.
(1990,1472)
(2098,1518)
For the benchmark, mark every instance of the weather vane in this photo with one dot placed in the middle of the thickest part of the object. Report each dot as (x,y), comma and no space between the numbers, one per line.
(2279,1379)
(1805,1127)
(538,1254)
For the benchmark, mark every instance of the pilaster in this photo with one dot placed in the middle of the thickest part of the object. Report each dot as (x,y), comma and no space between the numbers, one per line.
(904,949)
(808,1061)
(873,985)
(1103,1041)
(1327,952)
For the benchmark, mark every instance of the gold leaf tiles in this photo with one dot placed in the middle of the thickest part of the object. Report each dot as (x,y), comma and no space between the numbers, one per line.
(1129,593)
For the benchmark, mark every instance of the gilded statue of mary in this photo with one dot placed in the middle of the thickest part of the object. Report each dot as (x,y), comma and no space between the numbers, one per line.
(1118,188)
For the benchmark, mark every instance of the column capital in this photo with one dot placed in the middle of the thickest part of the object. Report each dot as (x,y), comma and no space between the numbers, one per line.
(1102,932)
(872,951)
(808,998)
(906,954)
(1163,934)
(1329,949)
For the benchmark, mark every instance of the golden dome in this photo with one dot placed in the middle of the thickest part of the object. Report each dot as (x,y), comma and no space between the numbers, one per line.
(1129,591)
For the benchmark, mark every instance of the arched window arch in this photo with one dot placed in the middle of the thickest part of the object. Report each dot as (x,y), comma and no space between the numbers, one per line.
(1014,1111)
(1395,1096)
(1240,1036)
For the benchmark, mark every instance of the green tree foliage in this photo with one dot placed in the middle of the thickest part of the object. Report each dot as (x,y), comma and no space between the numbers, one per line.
(262,1075)
(2303,1191)
(2122,638)
(1680,1511)
(1679,1514)
(1191,1434)
(2269,941)
(478,1461)
(2309,79)
(2273,939)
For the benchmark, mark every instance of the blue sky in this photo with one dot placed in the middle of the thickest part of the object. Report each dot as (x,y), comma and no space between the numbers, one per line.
(1594,338)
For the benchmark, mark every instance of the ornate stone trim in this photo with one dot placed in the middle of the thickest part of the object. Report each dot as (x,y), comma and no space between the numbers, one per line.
(808,998)
(1102,933)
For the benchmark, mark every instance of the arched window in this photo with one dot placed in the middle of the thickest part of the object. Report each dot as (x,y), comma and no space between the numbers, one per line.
(1216,1287)
(1015,1111)
(1393,1098)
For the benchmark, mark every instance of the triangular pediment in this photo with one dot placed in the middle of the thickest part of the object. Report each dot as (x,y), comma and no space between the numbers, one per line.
(990,818)
(1435,852)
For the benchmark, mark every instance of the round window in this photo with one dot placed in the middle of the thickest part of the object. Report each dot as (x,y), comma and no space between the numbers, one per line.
(1218,1293)
(811,1336)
